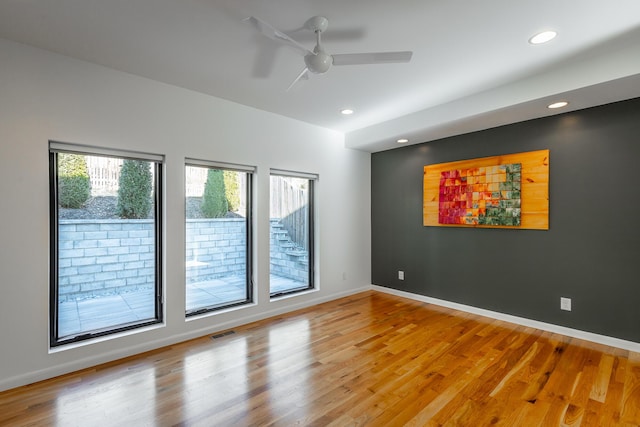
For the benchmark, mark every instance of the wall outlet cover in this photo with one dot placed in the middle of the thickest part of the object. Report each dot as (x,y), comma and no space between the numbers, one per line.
(565,304)
(401,275)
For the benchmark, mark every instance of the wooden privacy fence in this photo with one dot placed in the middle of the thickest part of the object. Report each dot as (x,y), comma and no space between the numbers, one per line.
(289,203)
(195,178)
(104,173)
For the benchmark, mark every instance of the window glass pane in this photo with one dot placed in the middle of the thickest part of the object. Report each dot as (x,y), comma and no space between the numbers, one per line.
(106,252)
(217,238)
(291,266)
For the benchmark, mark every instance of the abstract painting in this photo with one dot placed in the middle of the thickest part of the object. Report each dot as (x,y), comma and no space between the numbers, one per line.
(508,191)
(480,196)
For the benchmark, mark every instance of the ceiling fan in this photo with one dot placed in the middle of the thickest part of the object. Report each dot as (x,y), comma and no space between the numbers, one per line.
(318,61)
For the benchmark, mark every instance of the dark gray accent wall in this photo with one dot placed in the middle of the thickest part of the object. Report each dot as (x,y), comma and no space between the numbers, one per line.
(591,252)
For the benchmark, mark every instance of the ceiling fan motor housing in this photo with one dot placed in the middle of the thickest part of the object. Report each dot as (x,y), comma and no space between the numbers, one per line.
(318,63)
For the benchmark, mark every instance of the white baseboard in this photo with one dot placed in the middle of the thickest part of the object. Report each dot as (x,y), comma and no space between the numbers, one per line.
(574,333)
(119,353)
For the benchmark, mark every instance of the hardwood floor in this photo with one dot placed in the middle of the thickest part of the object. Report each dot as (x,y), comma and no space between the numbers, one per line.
(369,360)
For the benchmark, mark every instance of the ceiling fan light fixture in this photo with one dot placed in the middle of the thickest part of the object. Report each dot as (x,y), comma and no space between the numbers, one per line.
(543,37)
(558,104)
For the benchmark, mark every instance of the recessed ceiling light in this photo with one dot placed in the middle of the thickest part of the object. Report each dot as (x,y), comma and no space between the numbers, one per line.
(543,37)
(346,111)
(402,141)
(558,104)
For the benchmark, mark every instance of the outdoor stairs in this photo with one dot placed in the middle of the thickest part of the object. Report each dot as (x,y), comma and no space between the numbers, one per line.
(288,246)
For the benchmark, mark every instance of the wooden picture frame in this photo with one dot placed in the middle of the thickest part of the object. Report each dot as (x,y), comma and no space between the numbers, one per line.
(533,189)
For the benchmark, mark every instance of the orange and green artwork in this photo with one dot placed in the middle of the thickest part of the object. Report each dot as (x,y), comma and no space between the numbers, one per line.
(505,191)
(488,195)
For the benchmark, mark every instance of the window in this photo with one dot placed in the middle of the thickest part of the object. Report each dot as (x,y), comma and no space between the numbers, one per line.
(218,236)
(292,235)
(106,244)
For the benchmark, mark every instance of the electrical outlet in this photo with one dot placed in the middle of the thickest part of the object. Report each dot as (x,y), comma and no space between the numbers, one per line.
(344,275)
(400,274)
(565,304)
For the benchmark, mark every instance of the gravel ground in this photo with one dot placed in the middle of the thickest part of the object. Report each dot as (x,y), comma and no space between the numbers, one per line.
(94,208)
(105,208)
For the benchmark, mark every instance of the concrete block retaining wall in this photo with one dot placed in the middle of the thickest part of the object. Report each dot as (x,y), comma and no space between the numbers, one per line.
(215,248)
(104,257)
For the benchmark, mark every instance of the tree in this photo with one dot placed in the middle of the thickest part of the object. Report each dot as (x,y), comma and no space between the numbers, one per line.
(74,186)
(232,190)
(214,201)
(134,189)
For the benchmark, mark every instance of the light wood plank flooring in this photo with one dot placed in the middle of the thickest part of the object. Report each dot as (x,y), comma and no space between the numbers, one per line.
(367,360)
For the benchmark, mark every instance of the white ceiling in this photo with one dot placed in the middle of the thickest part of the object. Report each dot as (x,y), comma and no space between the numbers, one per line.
(472,66)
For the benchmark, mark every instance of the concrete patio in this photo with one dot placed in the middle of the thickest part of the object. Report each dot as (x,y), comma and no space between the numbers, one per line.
(90,314)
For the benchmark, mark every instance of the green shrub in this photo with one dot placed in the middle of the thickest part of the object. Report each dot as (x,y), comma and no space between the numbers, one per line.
(74,186)
(134,191)
(232,190)
(214,200)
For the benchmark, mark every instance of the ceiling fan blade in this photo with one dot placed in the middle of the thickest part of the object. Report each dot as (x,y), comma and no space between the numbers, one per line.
(304,75)
(371,58)
(277,35)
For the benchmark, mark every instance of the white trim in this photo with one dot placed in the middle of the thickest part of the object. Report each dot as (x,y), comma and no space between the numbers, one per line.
(102,338)
(282,172)
(65,147)
(575,333)
(287,295)
(220,165)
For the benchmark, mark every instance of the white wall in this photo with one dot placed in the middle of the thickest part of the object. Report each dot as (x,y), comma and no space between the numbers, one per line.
(45,96)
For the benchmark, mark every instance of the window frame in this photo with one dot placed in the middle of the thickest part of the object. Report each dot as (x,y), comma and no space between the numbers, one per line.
(56,148)
(250,171)
(312,180)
